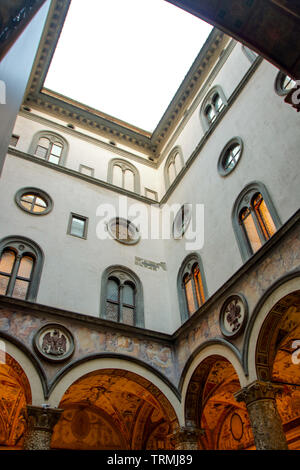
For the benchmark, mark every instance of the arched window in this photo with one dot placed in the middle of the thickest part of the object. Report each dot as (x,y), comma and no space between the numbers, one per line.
(192,290)
(122,297)
(49,146)
(124,174)
(254,219)
(212,106)
(21,263)
(174,165)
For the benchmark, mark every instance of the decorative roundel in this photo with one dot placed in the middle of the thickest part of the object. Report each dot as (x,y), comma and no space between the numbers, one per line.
(230,156)
(233,315)
(284,84)
(182,220)
(124,231)
(236,427)
(34,200)
(54,342)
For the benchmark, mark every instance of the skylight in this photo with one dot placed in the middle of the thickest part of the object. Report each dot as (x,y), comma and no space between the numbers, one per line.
(126,58)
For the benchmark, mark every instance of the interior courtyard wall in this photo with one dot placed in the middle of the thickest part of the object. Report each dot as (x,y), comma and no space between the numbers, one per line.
(256,116)
(74,283)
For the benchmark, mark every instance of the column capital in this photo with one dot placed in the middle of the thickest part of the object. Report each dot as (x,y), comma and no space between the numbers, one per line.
(41,418)
(40,423)
(258,390)
(186,437)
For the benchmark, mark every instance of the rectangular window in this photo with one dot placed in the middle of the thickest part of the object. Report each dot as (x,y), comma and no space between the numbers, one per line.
(14,140)
(149,193)
(78,226)
(86,170)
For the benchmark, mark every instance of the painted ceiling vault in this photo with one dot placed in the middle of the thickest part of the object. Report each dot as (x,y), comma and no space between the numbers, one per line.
(113,410)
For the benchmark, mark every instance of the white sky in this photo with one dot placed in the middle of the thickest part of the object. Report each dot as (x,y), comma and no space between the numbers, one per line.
(126,58)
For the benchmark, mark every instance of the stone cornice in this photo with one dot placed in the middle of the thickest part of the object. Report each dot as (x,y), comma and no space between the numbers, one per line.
(96,121)
(68,171)
(88,138)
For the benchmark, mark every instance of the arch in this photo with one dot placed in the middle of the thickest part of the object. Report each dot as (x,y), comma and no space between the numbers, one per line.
(53,138)
(275,354)
(211,381)
(22,247)
(185,270)
(210,101)
(282,288)
(244,201)
(87,383)
(30,365)
(91,365)
(125,166)
(175,159)
(124,275)
(115,402)
(219,347)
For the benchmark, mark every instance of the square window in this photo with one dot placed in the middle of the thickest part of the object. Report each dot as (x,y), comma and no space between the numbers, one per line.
(78,226)
(86,170)
(150,194)
(14,140)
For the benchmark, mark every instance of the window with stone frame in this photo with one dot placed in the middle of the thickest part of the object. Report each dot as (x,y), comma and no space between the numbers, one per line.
(212,106)
(192,290)
(173,166)
(124,174)
(122,297)
(20,268)
(49,146)
(255,219)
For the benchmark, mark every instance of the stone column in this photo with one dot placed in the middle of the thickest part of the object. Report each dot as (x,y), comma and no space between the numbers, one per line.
(186,438)
(40,424)
(265,420)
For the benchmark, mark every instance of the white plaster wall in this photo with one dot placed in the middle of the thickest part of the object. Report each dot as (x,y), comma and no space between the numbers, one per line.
(270,132)
(73,267)
(83,152)
(269,129)
(228,77)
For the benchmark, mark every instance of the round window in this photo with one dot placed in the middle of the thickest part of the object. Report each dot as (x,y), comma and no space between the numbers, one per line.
(124,231)
(182,220)
(33,200)
(230,156)
(284,84)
